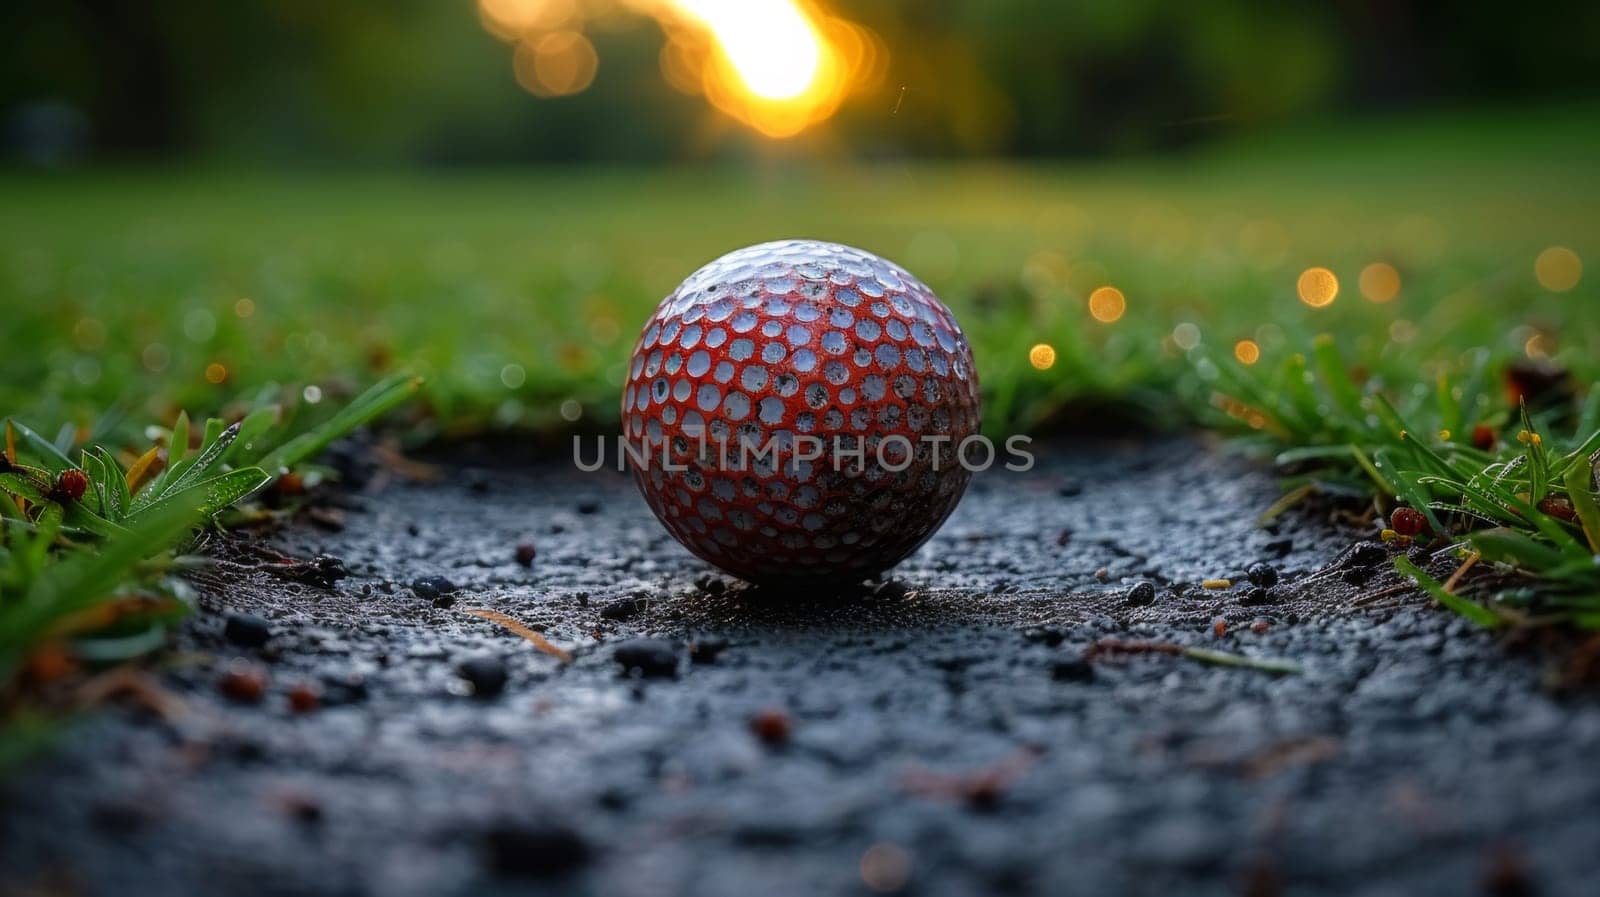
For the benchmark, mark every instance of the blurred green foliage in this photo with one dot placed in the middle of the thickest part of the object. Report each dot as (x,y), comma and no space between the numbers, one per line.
(422,81)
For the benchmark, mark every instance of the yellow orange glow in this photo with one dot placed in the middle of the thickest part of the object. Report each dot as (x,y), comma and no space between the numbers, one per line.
(770,43)
(510,19)
(216,373)
(244,308)
(1042,356)
(779,66)
(1380,282)
(557,64)
(1247,351)
(1558,269)
(1317,287)
(1107,305)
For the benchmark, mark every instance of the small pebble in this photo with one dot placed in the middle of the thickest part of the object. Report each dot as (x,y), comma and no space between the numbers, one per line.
(1049,635)
(1263,575)
(622,608)
(1279,547)
(302,808)
(486,675)
(706,648)
(343,688)
(1142,593)
(650,657)
(1073,670)
(535,850)
(304,698)
(1103,574)
(1507,874)
(1357,576)
(1363,554)
(1219,627)
(772,726)
(323,570)
(246,630)
(432,587)
(244,683)
(1256,597)
(1260,626)
(525,554)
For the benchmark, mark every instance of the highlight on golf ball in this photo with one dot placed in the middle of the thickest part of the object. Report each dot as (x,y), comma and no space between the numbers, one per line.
(794,411)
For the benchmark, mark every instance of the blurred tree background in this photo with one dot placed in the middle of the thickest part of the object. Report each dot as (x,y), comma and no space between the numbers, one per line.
(424,81)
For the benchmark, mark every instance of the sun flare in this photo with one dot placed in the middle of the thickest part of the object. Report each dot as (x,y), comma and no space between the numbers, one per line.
(778,66)
(770,43)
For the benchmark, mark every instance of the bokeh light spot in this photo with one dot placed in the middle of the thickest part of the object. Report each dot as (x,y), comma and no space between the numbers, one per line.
(244,308)
(1247,351)
(1107,305)
(216,373)
(1186,335)
(1042,356)
(1317,287)
(1558,269)
(558,64)
(1380,282)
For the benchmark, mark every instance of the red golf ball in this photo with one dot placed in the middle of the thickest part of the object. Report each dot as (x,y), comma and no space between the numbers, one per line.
(794,410)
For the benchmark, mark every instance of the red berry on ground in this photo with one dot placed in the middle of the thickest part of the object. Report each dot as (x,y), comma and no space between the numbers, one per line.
(1408,521)
(71,484)
(243,683)
(1558,507)
(304,698)
(786,350)
(771,726)
(526,553)
(1483,437)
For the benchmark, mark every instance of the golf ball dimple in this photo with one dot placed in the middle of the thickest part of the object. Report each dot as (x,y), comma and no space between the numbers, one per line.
(794,410)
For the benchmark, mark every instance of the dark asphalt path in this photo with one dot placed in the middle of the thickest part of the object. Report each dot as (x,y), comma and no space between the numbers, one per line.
(944,736)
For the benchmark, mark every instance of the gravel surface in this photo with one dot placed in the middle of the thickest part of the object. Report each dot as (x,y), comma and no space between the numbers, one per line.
(949,731)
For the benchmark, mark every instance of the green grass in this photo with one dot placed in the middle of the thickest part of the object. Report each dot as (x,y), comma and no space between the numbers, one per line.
(120,287)
(519,294)
(88,544)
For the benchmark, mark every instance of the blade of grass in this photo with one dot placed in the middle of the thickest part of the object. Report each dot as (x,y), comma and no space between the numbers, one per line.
(215,445)
(382,398)
(1466,607)
(85,579)
(209,495)
(532,636)
(1227,659)
(39,448)
(1579,480)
